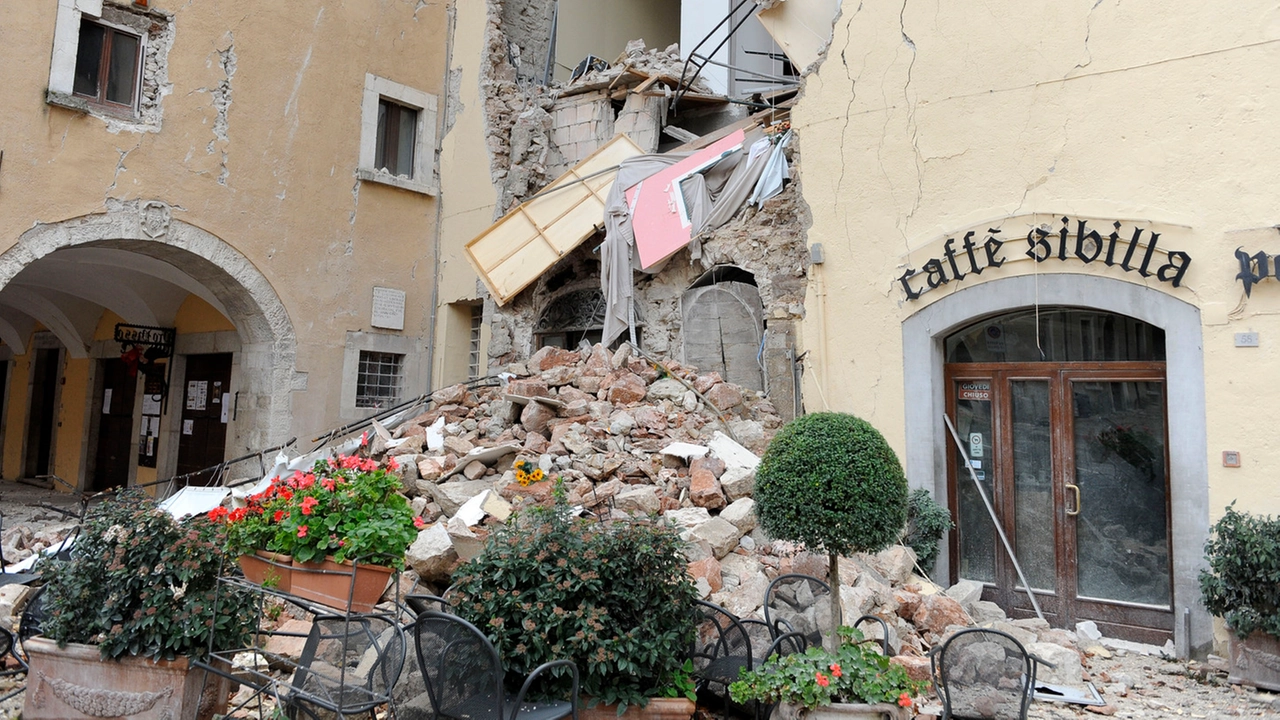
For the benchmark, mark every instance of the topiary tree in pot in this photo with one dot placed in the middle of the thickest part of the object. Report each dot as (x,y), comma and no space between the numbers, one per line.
(831,482)
(1242,585)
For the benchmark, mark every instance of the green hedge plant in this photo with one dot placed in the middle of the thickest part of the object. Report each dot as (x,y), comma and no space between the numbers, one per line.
(831,482)
(926,522)
(614,598)
(1242,584)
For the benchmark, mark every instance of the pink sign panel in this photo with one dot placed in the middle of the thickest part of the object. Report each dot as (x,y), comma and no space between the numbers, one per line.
(658,216)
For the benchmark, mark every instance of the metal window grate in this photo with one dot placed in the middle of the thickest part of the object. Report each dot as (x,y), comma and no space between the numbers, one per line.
(473,359)
(380,379)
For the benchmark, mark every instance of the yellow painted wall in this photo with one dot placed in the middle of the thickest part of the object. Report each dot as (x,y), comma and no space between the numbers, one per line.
(468,196)
(71,426)
(196,316)
(604,27)
(1011,109)
(16,419)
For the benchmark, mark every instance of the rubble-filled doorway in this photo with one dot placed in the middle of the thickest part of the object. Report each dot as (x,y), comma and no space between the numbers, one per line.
(722,326)
(114,414)
(46,368)
(1063,414)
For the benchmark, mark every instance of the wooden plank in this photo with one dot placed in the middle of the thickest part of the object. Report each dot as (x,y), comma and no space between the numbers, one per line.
(513,252)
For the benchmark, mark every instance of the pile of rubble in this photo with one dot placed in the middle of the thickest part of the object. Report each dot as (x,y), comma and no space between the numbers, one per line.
(636,62)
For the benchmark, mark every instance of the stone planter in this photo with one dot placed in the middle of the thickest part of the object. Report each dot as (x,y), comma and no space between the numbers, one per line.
(842,711)
(268,569)
(75,683)
(331,583)
(657,709)
(1255,661)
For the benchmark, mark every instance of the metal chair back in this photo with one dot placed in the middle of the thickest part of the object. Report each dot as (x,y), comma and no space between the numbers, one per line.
(348,665)
(983,673)
(796,603)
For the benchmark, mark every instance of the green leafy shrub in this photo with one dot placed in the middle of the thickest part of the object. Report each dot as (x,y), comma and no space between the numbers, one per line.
(614,598)
(831,482)
(140,583)
(853,673)
(926,522)
(1242,583)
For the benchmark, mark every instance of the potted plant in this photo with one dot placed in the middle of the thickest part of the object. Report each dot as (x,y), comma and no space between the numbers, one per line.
(1240,585)
(344,525)
(614,598)
(830,482)
(926,522)
(135,602)
(853,682)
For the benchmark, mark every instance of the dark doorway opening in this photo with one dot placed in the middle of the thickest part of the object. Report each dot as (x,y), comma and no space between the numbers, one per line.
(44,390)
(115,425)
(206,410)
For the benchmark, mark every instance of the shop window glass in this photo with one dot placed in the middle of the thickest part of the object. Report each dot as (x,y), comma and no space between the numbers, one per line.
(1057,335)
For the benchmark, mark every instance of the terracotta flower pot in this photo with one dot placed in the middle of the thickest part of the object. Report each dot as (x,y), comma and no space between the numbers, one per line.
(657,709)
(273,570)
(331,583)
(74,683)
(843,711)
(1255,661)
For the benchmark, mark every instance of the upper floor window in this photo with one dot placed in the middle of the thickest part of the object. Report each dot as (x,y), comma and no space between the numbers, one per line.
(107,64)
(398,136)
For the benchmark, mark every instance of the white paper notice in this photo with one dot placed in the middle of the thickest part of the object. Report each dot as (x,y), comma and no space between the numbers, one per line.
(197,394)
(188,426)
(388,308)
(226,407)
(150,404)
(106,401)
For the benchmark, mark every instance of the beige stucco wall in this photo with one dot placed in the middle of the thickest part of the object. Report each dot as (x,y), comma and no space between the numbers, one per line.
(468,197)
(280,187)
(944,118)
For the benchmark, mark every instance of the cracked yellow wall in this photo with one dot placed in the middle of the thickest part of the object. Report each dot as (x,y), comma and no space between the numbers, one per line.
(272,173)
(936,118)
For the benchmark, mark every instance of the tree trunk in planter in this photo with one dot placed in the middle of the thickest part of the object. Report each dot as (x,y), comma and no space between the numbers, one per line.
(75,683)
(1255,661)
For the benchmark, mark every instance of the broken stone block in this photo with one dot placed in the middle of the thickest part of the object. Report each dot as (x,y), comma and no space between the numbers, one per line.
(621,423)
(724,396)
(709,570)
(432,555)
(732,453)
(465,542)
(289,646)
(536,416)
(452,495)
(936,612)
(720,534)
(739,566)
(457,445)
(985,611)
(895,563)
(917,666)
(666,389)
(1069,670)
(746,599)
(738,482)
(704,489)
(966,592)
(855,602)
(639,498)
(742,513)
(475,470)
(687,518)
(626,390)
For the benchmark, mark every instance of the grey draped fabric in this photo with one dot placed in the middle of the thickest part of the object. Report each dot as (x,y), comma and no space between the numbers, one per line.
(712,198)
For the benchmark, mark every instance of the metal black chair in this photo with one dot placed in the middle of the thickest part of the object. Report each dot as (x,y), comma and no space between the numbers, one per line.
(884,632)
(984,674)
(348,666)
(796,603)
(464,675)
(724,645)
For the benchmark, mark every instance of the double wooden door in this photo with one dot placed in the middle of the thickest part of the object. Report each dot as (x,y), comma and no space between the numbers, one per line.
(1073,457)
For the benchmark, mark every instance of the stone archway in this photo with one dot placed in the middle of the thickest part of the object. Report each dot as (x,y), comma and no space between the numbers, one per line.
(928,441)
(223,274)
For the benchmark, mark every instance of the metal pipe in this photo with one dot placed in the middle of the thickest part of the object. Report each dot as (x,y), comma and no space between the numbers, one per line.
(992,512)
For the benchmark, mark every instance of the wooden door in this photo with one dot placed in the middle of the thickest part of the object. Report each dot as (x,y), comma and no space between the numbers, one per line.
(1073,458)
(115,426)
(40,418)
(203,429)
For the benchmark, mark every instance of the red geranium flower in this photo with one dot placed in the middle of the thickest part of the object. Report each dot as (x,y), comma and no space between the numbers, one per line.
(904,700)
(823,681)
(835,670)
(419,523)
(307,504)
(302,531)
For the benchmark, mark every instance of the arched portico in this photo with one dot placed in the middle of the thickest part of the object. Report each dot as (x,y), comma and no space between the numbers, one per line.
(57,271)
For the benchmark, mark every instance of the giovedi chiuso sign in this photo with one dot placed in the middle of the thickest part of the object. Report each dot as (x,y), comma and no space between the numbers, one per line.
(1078,242)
